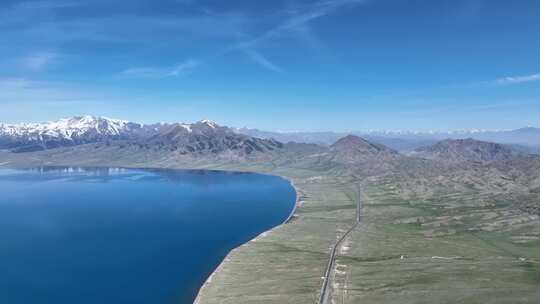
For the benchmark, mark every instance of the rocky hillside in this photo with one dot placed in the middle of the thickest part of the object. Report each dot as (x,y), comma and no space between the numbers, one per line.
(351,149)
(468,150)
(206,137)
(349,154)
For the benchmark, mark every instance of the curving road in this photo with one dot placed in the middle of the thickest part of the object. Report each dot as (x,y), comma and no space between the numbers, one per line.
(324,296)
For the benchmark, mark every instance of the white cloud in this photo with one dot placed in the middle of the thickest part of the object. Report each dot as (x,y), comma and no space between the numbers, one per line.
(24,98)
(37,92)
(296,22)
(262,60)
(152,72)
(39,61)
(518,79)
(299,18)
(184,68)
(14,83)
(47,4)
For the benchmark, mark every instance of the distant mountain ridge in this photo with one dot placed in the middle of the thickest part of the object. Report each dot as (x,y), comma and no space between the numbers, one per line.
(464,150)
(354,149)
(206,136)
(526,139)
(360,145)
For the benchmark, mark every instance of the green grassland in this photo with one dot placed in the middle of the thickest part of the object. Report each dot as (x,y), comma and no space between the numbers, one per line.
(427,235)
(462,247)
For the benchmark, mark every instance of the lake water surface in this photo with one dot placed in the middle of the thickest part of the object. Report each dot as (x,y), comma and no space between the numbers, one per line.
(126,236)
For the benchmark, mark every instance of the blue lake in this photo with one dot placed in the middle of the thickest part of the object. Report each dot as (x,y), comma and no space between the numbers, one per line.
(126,236)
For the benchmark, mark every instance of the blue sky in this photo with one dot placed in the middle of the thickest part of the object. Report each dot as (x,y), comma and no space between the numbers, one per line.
(275,65)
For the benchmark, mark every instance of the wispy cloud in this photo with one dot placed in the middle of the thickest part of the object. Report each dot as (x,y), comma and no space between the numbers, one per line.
(47,4)
(39,61)
(50,22)
(237,27)
(25,97)
(503,105)
(14,83)
(184,68)
(518,79)
(298,18)
(296,22)
(143,72)
(262,61)
(27,91)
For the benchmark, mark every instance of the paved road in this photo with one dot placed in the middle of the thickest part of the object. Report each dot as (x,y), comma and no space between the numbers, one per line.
(323,299)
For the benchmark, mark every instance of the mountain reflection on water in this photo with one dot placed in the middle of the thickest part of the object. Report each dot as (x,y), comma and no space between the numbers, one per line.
(112,235)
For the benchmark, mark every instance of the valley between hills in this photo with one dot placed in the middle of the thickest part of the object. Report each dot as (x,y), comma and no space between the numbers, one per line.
(456,222)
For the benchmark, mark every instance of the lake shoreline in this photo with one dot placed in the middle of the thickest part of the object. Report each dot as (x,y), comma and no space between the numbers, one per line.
(295,227)
(286,214)
(297,204)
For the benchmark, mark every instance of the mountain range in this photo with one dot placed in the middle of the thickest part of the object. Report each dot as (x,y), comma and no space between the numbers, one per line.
(441,196)
(208,138)
(28,137)
(203,137)
(524,139)
(462,150)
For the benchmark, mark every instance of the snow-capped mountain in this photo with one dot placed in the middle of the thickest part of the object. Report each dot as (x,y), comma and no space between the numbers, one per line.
(65,132)
(70,128)
(203,137)
(89,129)
(206,137)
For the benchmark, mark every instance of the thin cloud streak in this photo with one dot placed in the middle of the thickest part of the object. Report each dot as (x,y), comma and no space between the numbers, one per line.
(518,79)
(298,20)
(262,60)
(185,68)
(23,94)
(181,69)
(504,105)
(227,26)
(39,61)
(296,23)
(47,4)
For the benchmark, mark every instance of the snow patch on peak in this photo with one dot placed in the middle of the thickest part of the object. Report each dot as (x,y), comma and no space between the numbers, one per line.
(187,127)
(209,123)
(69,128)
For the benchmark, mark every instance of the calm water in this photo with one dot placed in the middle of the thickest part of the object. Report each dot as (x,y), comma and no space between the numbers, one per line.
(126,236)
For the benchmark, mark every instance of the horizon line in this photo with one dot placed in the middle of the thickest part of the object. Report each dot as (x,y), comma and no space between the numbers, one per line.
(387,131)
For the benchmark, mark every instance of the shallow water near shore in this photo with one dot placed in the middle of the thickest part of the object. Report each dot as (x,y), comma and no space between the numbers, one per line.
(72,235)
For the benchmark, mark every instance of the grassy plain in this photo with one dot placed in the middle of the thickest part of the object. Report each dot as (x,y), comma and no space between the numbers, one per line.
(465,237)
